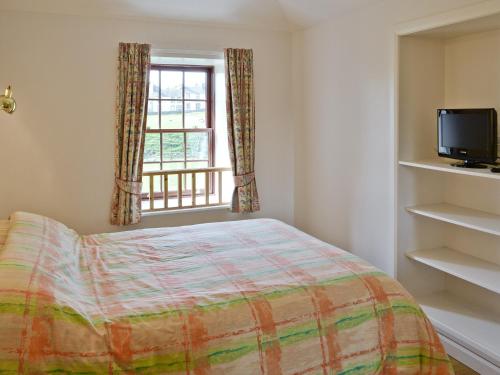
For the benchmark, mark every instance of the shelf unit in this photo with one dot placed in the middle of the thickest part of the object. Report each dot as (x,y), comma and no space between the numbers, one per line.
(461,216)
(448,218)
(445,166)
(466,267)
(470,326)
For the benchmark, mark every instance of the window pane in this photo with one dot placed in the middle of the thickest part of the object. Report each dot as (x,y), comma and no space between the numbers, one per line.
(171,114)
(148,167)
(172,166)
(173,146)
(154,84)
(196,114)
(171,84)
(152,147)
(197,146)
(152,120)
(197,164)
(196,85)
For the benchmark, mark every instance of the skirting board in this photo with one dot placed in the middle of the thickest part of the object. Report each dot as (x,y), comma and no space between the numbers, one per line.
(469,358)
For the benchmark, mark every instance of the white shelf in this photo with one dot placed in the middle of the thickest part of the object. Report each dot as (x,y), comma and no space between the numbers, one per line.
(471,326)
(466,267)
(461,216)
(444,166)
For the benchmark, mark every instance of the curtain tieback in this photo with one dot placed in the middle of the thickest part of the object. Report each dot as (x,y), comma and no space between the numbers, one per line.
(131,187)
(244,179)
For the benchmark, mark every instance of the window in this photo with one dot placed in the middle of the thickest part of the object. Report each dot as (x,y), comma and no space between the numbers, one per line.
(186,155)
(179,131)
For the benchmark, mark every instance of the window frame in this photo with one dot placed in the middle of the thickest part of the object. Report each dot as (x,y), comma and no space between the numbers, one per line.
(210,118)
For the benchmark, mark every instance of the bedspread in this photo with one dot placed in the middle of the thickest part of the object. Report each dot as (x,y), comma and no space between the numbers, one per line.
(4,228)
(242,297)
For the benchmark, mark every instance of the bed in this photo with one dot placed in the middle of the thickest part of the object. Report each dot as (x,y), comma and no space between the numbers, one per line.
(243,297)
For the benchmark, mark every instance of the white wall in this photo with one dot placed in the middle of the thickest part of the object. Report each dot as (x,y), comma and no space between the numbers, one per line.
(345,142)
(57,149)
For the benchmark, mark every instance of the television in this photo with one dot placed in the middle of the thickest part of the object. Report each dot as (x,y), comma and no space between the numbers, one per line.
(469,135)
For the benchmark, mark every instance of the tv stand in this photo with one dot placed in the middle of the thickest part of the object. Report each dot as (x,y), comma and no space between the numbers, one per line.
(469,164)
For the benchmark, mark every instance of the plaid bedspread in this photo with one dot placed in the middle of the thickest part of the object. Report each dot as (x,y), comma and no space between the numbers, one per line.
(245,297)
(4,228)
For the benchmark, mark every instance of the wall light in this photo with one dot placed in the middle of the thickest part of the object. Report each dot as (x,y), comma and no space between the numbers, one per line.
(7,102)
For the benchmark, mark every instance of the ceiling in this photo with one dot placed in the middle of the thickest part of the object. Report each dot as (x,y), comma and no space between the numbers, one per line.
(269,14)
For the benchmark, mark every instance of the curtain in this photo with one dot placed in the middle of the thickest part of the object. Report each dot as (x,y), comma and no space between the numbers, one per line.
(130,128)
(240,106)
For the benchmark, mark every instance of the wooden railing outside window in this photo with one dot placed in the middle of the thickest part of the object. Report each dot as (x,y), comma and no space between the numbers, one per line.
(183,188)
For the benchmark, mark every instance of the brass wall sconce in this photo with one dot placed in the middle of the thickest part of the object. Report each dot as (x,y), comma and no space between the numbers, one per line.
(7,102)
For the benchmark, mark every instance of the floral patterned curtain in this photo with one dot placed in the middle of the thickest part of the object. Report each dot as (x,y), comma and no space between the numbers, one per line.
(241,127)
(130,126)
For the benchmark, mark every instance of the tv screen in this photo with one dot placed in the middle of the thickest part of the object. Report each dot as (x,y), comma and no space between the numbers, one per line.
(468,134)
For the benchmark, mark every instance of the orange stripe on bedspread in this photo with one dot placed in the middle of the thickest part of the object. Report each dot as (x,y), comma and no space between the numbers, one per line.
(42,323)
(195,333)
(198,335)
(24,332)
(121,339)
(262,311)
(35,337)
(388,343)
(323,306)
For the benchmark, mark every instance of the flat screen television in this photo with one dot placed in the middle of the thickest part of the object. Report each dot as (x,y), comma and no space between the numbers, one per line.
(469,135)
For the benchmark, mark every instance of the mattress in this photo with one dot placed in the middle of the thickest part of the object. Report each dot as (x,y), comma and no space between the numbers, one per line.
(244,297)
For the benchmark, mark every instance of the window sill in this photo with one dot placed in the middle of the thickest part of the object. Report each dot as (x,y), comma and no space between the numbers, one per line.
(187,210)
